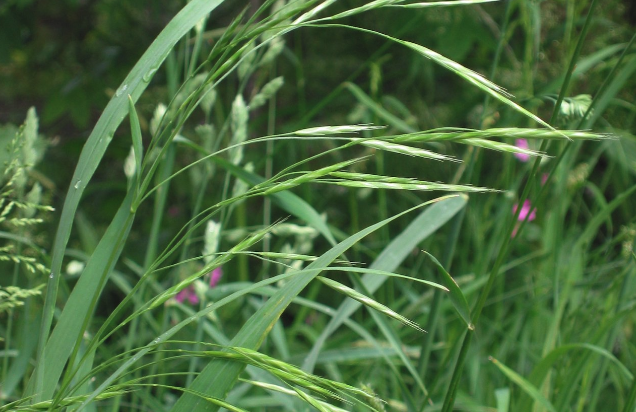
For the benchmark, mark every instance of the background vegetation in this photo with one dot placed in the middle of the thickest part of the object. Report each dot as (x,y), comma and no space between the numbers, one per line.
(552,298)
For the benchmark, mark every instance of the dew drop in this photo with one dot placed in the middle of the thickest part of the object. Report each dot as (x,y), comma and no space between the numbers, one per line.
(121,90)
(148,76)
(77,184)
(51,275)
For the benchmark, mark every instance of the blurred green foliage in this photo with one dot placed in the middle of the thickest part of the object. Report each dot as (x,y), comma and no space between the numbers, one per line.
(66,56)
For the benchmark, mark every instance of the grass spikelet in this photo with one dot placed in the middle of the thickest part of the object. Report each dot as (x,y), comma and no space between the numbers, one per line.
(240,117)
(441,4)
(501,147)
(395,183)
(331,130)
(531,133)
(476,79)
(313,402)
(266,93)
(307,177)
(465,73)
(13,296)
(291,372)
(278,388)
(405,150)
(454,134)
(367,301)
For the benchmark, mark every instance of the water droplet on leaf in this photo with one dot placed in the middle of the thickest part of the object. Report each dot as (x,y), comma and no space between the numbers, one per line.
(148,76)
(121,90)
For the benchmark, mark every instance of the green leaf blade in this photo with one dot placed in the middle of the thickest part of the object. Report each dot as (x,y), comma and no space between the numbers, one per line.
(456,295)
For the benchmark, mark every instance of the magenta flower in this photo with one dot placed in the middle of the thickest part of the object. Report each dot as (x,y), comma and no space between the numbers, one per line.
(190,293)
(522,144)
(526,211)
(215,276)
(187,294)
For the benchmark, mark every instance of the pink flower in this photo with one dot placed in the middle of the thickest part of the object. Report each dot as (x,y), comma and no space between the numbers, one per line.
(525,211)
(189,294)
(544,178)
(522,144)
(215,276)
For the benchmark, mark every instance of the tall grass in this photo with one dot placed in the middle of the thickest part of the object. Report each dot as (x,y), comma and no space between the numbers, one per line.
(518,276)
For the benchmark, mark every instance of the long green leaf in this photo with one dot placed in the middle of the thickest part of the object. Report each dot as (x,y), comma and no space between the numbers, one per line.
(527,387)
(92,153)
(79,307)
(456,296)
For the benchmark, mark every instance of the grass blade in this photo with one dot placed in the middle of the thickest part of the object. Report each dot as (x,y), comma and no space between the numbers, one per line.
(79,307)
(92,153)
(456,296)
(369,302)
(527,387)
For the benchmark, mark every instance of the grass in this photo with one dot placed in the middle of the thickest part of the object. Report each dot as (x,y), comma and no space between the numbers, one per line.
(524,308)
